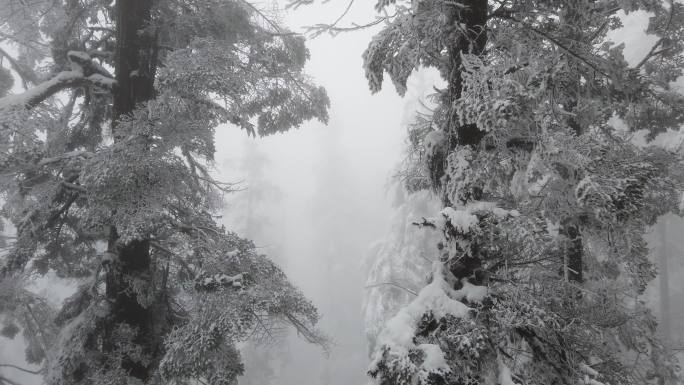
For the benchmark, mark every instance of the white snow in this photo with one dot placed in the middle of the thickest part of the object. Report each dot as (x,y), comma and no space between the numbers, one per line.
(32,93)
(459,161)
(462,220)
(434,140)
(472,293)
(433,361)
(399,331)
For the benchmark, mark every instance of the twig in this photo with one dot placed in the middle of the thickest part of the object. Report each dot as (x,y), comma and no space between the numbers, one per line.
(392,284)
(653,52)
(555,41)
(176,256)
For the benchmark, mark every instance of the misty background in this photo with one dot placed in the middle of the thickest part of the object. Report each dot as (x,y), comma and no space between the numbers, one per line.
(317,198)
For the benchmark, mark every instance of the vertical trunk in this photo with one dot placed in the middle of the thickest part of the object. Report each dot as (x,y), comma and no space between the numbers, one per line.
(663,252)
(475,19)
(135,64)
(136,52)
(574,249)
(133,263)
(665,326)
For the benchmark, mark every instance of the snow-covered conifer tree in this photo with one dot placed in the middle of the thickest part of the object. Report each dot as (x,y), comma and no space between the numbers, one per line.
(545,201)
(104,174)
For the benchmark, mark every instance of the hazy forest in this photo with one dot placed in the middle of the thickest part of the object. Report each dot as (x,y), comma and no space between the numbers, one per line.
(341,192)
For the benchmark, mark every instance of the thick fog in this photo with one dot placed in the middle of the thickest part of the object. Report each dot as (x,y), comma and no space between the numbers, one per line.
(319,197)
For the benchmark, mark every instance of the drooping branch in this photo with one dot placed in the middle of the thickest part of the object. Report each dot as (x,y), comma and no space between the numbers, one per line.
(20,369)
(83,72)
(652,52)
(392,284)
(318,29)
(311,336)
(26,75)
(37,94)
(553,40)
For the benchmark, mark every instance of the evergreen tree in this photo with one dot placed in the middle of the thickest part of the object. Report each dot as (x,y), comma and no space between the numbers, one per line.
(104,173)
(543,259)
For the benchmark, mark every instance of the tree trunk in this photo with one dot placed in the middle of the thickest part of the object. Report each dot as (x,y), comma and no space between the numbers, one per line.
(136,55)
(572,257)
(135,63)
(663,251)
(475,19)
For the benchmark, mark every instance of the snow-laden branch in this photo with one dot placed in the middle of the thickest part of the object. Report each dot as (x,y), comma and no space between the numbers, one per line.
(84,71)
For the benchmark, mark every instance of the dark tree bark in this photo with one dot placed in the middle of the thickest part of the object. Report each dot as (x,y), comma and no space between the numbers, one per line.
(136,63)
(475,19)
(663,255)
(574,250)
(136,55)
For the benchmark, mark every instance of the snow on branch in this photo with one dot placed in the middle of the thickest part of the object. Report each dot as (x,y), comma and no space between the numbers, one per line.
(213,282)
(397,338)
(84,71)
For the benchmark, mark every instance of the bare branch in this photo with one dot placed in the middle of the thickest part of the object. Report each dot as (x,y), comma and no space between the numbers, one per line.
(392,284)
(318,29)
(553,40)
(27,76)
(20,368)
(178,258)
(653,52)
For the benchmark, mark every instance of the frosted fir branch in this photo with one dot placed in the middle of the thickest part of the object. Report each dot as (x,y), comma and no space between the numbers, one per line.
(84,71)
(269,21)
(177,257)
(309,334)
(213,282)
(319,29)
(425,223)
(555,41)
